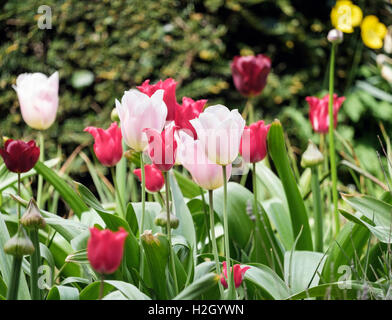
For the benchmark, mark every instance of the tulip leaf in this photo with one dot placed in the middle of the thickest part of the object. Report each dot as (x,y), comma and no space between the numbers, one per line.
(91,292)
(297,209)
(67,193)
(156,248)
(198,287)
(152,209)
(63,293)
(188,188)
(3,287)
(128,290)
(131,218)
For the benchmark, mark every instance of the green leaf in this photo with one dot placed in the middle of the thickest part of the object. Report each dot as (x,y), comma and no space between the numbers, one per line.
(299,217)
(188,188)
(267,281)
(66,192)
(3,287)
(301,269)
(128,290)
(152,209)
(91,292)
(156,248)
(198,287)
(63,293)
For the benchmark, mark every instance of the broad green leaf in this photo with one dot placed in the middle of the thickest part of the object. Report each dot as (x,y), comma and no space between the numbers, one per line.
(63,293)
(128,290)
(91,292)
(188,188)
(267,281)
(152,209)
(78,257)
(115,295)
(299,216)
(3,287)
(198,287)
(302,268)
(156,248)
(66,192)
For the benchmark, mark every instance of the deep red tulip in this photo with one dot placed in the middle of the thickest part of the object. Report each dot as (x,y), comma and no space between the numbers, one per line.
(238,274)
(250,73)
(162,147)
(318,112)
(189,110)
(20,156)
(253,147)
(105,249)
(154,177)
(169,97)
(108,144)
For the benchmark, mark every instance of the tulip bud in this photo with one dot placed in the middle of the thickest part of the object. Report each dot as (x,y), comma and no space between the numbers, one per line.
(312,156)
(32,217)
(114,115)
(386,73)
(161,220)
(335,36)
(19,245)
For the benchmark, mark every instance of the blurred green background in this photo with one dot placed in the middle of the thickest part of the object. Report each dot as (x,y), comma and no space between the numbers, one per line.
(102,48)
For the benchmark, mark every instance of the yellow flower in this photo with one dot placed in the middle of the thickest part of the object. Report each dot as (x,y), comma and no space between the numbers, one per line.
(373,32)
(345,16)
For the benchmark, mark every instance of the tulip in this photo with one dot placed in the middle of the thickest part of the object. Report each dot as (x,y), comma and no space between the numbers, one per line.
(162,147)
(138,111)
(318,113)
(220,131)
(335,36)
(373,32)
(345,16)
(169,97)
(20,156)
(253,147)
(250,73)
(38,98)
(108,144)
(205,173)
(238,274)
(105,249)
(154,177)
(189,110)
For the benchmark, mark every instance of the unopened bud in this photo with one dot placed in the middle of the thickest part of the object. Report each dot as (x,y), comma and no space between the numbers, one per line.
(19,245)
(312,156)
(32,217)
(161,220)
(335,36)
(114,115)
(386,73)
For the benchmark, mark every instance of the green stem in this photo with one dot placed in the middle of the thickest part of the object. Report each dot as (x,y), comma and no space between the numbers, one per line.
(40,179)
(318,218)
(141,271)
(34,264)
(168,227)
(18,201)
(118,193)
(12,293)
(249,110)
(214,246)
(332,141)
(101,287)
(205,216)
(254,182)
(226,234)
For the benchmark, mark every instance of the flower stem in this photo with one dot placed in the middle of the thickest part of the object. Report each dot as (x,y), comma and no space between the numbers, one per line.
(249,110)
(12,293)
(18,201)
(101,287)
(205,217)
(118,193)
(141,271)
(254,182)
(214,246)
(332,141)
(318,218)
(168,229)
(34,264)
(40,179)
(226,233)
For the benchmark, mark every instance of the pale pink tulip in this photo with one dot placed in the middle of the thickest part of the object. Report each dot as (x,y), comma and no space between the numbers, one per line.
(38,98)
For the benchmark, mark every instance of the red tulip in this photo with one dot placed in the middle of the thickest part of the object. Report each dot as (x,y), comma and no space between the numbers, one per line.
(318,113)
(238,274)
(20,156)
(162,147)
(250,73)
(253,147)
(189,110)
(108,144)
(105,249)
(169,97)
(154,177)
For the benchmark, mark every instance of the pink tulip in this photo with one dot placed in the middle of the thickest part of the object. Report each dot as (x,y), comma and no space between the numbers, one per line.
(38,98)
(162,147)
(137,111)
(318,113)
(205,173)
(253,146)
(154,177)
(189,110)
(238,274)
(108,144)
(169,87)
